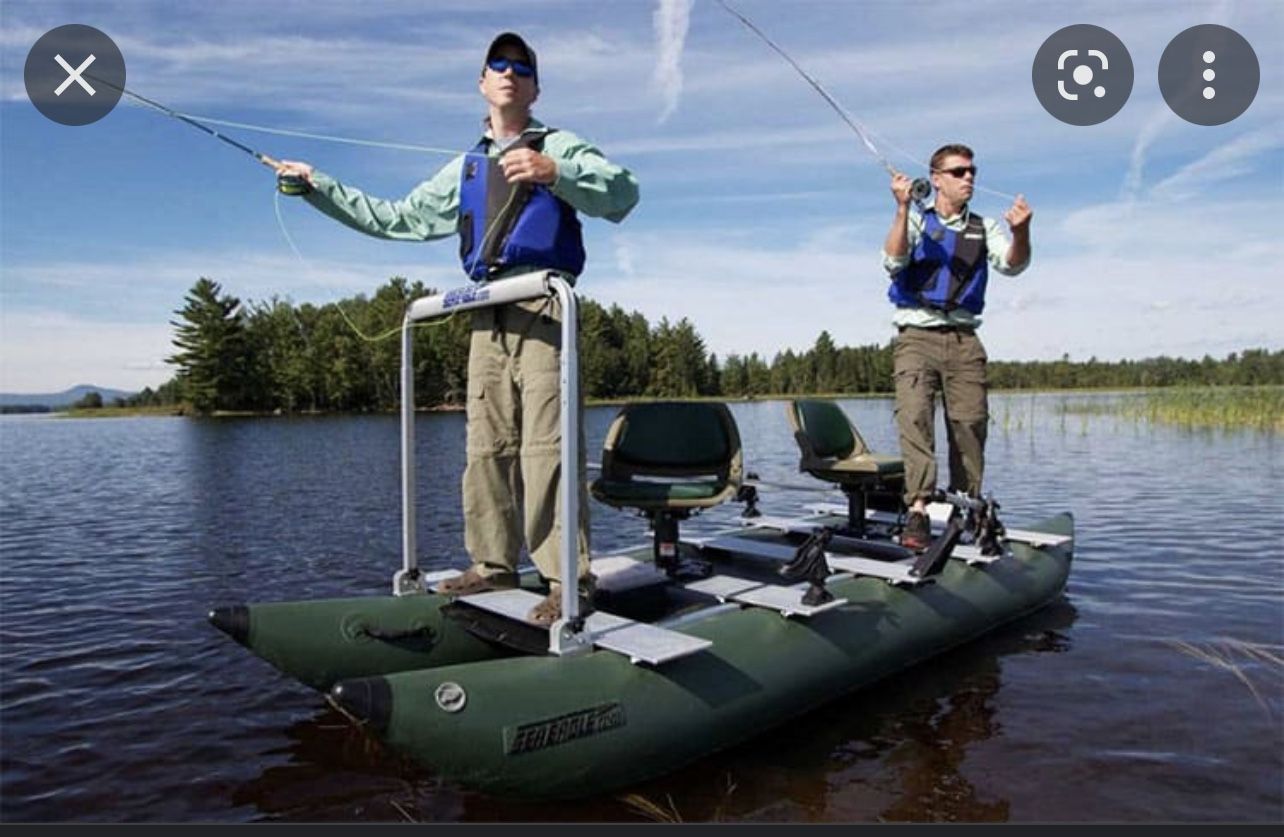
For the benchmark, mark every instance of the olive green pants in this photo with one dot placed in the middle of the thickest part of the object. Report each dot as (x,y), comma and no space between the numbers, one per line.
(952,363)
(512,480)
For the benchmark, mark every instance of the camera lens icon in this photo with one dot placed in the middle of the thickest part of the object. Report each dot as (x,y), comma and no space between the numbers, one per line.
(1082,74)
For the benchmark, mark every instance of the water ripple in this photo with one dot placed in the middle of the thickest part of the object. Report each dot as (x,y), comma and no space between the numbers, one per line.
(119,703)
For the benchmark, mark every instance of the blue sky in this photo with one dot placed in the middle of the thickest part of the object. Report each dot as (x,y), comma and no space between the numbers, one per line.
(761,215)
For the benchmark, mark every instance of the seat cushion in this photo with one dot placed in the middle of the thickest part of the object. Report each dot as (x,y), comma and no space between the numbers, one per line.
(868,468)
(631,492)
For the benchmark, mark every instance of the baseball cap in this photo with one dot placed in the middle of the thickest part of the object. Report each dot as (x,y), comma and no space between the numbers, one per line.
(513,39)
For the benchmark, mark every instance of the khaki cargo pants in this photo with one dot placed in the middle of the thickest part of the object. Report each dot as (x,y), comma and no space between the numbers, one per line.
(950,362)
(512,479)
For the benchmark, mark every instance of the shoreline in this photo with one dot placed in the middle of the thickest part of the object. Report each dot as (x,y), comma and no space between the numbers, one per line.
(1244,420)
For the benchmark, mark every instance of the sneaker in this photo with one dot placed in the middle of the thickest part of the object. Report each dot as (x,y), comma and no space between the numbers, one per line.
(917,533)
(470,581)
(549,609)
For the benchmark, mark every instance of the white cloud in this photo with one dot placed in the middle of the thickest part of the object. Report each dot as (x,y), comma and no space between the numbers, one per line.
(47,350)
(1113,280)
(672,18)
(50,351)
(745,295)
(1240,156)
(166,276)
(1160,119)
(624,259)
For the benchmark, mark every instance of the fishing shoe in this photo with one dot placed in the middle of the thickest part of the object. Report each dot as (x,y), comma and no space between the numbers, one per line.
(549,609)
(917,534)
(470,581)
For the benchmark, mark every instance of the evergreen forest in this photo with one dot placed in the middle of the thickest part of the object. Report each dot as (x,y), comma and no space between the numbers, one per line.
(278,356)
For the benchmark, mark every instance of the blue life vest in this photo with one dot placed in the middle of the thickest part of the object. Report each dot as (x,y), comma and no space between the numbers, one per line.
(947,269)
(503,225)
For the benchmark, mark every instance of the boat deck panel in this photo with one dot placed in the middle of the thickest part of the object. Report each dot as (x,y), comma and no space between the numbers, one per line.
(635,640)
(647,643)
(973,556)
(721,587)
(787,600)
(617,573)
(898,574)
(1036,538)
(513,604)
(802,526)
(748,547)
(939,514)
(887,570)
(431,578)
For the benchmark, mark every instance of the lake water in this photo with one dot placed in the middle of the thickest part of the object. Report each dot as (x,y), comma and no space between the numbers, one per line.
(1152,691)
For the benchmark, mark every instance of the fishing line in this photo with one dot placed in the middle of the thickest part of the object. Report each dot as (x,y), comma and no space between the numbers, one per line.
(294,184)
(913,160)
(276,206)
(202,123)
(396,146)
(824,94)
(921,187)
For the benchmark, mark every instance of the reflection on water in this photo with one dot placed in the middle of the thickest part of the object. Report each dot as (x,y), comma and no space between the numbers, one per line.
(119,703)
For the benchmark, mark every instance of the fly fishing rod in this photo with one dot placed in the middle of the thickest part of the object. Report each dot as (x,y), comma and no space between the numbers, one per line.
(287,184)
(920,188)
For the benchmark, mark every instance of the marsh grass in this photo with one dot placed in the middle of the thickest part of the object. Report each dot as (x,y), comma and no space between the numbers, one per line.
(121,412)
(1235,656)
(655,812)
(1253,408)
(651,810)
(401,809)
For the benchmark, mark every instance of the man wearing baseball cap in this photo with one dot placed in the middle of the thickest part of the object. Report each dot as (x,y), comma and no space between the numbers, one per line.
(523,52)
(514,202)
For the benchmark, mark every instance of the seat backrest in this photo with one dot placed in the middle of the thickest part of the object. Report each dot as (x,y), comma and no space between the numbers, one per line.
(673,439)
(823,430)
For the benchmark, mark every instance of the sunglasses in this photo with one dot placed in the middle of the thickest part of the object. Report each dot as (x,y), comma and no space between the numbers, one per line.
(520,68)
(959,171)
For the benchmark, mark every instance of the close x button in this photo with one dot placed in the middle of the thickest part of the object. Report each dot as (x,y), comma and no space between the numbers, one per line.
(74,74)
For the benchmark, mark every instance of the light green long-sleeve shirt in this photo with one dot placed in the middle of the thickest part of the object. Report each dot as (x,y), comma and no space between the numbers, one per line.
(996,245)
(585,179)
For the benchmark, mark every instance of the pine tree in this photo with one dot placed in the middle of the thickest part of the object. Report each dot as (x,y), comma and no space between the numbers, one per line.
(825,362)
(211,358)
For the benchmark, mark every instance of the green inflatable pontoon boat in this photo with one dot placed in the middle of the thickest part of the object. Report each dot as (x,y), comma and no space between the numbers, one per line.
(692,644)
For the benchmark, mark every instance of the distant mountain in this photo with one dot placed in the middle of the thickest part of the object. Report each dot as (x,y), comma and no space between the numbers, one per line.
(62,399)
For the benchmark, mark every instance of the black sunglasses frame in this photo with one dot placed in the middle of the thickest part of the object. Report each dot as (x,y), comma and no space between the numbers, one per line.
(958,171)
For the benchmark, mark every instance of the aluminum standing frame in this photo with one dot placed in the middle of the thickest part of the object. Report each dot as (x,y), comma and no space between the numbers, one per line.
(569,635)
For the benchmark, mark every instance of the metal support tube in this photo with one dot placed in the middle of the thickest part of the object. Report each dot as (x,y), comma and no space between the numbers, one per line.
(568,635)
(570,482)
(407,581)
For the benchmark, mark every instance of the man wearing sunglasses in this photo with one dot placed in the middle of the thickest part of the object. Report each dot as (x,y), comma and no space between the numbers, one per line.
(938,261)
(513,201)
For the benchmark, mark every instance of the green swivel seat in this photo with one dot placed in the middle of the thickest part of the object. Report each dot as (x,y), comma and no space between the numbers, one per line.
(669,460)
(833,450)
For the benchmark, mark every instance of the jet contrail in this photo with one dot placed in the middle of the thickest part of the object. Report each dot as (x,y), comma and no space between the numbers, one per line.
(672,17)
